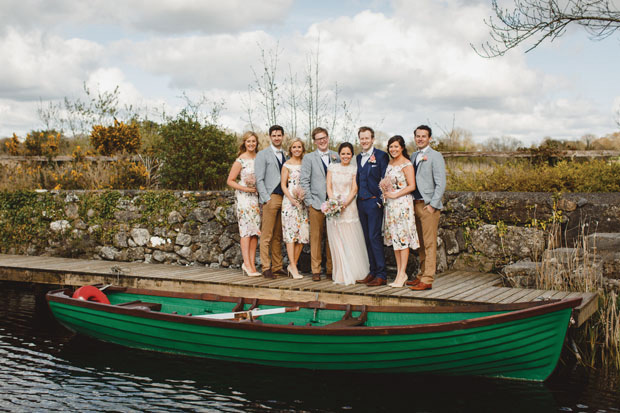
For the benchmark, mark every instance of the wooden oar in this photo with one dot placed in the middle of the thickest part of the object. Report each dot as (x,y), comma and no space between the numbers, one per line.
(250,314)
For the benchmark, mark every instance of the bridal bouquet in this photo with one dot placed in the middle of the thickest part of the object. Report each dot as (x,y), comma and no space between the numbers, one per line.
(331,208)
(250,181)
(386,185)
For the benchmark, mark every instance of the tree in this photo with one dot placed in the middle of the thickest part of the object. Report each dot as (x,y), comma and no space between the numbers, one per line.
(536,21)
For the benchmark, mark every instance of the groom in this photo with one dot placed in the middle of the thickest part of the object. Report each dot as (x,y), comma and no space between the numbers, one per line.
(313,181)
(371,166)
(430,178)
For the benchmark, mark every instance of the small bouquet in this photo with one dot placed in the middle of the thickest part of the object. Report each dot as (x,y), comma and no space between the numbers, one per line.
(250,181)
(331,208)
(299,194)
(386,185)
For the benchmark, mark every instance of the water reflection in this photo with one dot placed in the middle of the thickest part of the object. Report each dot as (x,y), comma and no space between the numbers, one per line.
(44,367)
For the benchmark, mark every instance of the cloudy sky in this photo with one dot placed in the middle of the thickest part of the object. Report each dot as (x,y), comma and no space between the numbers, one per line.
(397,64)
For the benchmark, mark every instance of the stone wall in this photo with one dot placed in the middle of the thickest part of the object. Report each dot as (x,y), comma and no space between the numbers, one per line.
(478,231)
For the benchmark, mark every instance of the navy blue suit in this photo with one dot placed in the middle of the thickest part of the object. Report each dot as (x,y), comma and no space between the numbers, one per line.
(370,207)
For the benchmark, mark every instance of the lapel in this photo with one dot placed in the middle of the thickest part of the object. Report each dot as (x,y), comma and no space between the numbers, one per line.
(368,164)
(320,161)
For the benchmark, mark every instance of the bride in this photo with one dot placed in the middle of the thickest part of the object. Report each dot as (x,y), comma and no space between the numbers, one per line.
(344,231)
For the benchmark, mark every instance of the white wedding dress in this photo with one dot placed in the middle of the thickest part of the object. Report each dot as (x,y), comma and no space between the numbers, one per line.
(346,238)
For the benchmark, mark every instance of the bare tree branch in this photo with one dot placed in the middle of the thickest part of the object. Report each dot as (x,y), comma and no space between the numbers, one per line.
(535,21)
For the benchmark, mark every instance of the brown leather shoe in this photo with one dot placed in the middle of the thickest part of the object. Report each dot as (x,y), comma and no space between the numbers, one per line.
(328,276)
(316,277)
(268,274)
(413,282)
(377,282)
(422,286)
(280,273)
(366,280)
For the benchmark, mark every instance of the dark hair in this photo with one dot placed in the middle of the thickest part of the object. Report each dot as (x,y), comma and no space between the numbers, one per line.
(276,127)
(345,145)
(318,130)
(401,142)
(366,129)
(426,128)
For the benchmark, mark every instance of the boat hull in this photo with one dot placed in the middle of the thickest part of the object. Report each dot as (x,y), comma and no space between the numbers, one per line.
(516,347)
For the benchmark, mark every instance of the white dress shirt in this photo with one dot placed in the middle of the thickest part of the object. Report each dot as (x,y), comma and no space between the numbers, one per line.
(366,156)
(279,153)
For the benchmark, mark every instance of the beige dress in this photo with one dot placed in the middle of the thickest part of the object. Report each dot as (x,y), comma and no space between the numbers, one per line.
(248,212)
(295,224)
(346,238)
(399,229)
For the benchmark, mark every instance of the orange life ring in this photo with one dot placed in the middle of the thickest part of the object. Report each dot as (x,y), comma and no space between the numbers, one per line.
(91,293)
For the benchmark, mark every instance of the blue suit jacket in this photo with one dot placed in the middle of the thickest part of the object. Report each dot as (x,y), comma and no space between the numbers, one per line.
(372,173)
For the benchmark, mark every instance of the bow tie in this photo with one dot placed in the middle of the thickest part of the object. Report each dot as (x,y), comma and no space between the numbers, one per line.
(364,154)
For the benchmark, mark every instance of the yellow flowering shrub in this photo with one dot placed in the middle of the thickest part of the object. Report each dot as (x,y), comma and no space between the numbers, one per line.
(120,137)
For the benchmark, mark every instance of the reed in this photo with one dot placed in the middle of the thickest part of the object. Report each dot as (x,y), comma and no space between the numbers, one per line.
(577,268)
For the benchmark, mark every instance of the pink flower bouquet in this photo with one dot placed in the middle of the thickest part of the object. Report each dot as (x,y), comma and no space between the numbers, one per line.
(298,193)
(331,208)
(386,185)
(250,181)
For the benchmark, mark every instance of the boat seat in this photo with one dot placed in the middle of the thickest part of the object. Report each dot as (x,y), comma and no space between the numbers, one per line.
(141,305)
(348,321)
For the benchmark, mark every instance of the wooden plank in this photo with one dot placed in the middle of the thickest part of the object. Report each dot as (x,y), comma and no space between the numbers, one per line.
(588,307)
(442,289)
(474,291)
(532,296)
(486,290)
(500,297)
(492,294)
(520,292)
(475,284)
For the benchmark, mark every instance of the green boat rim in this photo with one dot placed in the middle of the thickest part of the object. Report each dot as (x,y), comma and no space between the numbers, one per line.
(515,312)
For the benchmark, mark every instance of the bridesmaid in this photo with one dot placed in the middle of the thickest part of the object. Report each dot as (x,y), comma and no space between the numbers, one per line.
(295,225)
(400,231)
(248,212)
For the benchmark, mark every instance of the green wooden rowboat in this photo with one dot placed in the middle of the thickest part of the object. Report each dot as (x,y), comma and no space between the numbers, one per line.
(519,341)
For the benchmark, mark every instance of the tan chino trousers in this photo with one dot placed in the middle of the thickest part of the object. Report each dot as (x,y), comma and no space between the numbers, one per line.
(426,225)
(271,234)
(317,234)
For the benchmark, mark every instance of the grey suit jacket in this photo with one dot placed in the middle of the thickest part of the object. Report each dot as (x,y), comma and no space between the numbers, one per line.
(267,173)
(430,177)
(313,178)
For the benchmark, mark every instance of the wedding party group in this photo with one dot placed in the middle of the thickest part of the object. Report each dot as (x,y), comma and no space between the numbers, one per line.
(347,205)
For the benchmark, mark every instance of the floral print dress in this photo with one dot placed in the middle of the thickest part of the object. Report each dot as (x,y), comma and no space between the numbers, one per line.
(295,224)
(248,211)
(399,229)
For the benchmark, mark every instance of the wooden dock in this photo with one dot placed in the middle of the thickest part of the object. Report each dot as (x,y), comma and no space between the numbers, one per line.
(451,287)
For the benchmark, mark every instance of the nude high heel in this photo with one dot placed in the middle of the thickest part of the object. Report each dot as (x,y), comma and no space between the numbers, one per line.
(248,273)
(295,275)
(397,284)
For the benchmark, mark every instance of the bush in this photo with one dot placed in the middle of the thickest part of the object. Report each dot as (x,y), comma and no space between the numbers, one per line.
(566,176)
(120,137)
(194,156)
(44,143)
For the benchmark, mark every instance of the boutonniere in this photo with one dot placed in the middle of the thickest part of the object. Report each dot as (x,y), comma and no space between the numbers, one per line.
(333,158)
(372,159)
(424,158)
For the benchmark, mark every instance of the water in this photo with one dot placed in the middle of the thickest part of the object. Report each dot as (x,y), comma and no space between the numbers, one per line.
(44,367)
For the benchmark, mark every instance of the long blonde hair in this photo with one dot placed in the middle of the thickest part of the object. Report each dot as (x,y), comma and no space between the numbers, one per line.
(244,138)
(303,148)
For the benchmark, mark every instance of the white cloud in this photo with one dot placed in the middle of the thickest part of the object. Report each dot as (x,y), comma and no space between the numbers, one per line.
(37,65)
(161,16)
(200,62)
